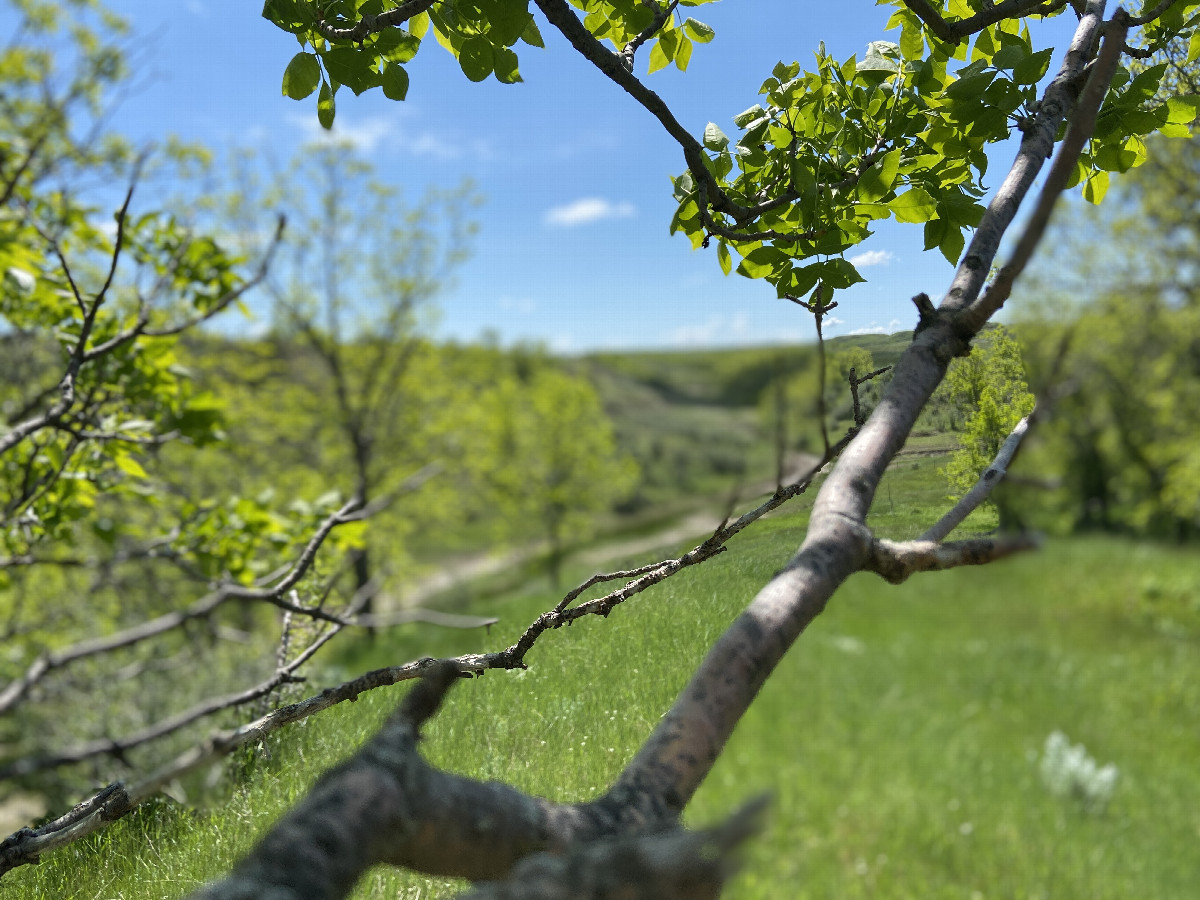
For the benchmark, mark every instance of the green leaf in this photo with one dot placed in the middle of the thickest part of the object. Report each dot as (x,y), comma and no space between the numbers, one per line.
(532,35)
(912,39)
(301,76)
(935,233)
(129,465)
(683,55)
(723,258)
(970,86)
(760,262)
(698,31)
(507,71)
(914,205)
(1096,187)
(753,114)
(1182,110)
(658,58)
(398,45)
(395,81)
(1031,69)
(326,109)
(878,179)
(952,244)
(714,137)
(508,20)
(663,52)
(476,58)
(1115,158)
(840,273)
(351,67)
(1194,47)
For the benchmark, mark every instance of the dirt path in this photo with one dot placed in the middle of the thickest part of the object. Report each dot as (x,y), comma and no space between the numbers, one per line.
(695,525)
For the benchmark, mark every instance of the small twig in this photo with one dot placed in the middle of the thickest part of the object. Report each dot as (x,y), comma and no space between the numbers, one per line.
(660,18)
(855,381)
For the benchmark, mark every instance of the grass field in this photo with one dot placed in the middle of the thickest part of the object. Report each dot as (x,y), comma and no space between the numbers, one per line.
(899,738)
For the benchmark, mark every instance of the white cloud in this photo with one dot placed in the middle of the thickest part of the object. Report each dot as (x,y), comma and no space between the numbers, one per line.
(522,305)
(872,258)
(832,322)
(585,211)
(713,330)
(196,8)
(366,135)
(875,328)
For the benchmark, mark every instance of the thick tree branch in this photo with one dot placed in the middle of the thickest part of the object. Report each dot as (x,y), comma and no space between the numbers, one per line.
(958,31)
(1083,123)
(1036,147)
(671,765)
(895,561)
(673,865)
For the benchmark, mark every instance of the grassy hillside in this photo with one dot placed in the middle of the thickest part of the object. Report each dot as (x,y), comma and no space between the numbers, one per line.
(695,420)
(900,737)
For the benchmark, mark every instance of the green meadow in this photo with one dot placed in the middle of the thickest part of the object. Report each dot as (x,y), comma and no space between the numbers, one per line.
(900,739)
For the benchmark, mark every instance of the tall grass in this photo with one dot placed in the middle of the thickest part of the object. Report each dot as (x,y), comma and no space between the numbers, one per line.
(899,738)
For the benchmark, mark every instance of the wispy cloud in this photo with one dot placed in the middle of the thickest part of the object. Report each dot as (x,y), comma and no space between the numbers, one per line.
(872,258)
(875,328)
(521,305)
(369,134)
(714,329)
(363,135)
(587,210)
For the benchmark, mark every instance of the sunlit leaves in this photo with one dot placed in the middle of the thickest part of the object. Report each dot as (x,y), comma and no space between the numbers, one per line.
(698,31)
(714,138)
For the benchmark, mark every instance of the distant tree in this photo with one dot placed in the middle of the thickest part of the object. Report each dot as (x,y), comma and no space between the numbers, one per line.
(110,574)
(556,460)
(354,298)
(990,394)
(1122,440)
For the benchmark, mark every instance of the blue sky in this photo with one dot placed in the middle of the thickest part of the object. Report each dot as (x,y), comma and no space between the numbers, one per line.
(573,249)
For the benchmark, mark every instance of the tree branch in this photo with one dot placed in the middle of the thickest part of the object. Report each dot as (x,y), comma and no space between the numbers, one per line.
(369,25)
(982,488)
(896,561)
(17,689)
(1083,123)
(957,31)
(1036,146)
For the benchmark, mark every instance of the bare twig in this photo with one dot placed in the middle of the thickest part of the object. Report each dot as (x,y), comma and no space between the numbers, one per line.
(982,488)
(17,689)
